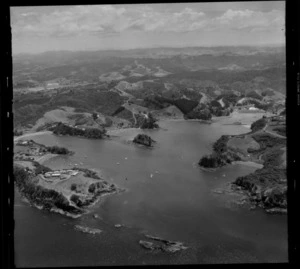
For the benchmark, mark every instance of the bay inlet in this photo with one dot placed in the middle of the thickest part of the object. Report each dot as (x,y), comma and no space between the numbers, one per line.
(167,195)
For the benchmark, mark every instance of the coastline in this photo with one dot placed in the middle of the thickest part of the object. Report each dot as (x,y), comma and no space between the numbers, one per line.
(265,186)
(46,158)
(31,134)
(31,183)
(249,163)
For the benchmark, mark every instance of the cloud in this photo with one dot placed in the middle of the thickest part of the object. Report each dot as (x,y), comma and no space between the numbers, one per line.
(248,19)
(106,20)
(96,19)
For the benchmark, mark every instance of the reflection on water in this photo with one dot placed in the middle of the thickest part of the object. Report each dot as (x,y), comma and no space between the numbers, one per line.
(168,196)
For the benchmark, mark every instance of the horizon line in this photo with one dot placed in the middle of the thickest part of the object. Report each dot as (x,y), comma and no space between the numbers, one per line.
(145,48)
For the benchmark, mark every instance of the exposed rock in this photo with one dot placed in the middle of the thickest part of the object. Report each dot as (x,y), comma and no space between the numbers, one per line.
(147,244)
(162,245)
(87,229)
(143,140)
(275,197)
(277,210)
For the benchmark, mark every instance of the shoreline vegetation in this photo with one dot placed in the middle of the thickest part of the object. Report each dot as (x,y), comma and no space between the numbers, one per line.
(87,132)
(266,186)
(37,183)
(265,150)
(144,140)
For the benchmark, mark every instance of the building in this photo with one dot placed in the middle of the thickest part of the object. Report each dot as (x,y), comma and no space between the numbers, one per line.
(61,173)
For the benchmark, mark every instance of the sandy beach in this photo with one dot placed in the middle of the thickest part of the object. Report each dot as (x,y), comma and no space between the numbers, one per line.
(28,135)
(249,163)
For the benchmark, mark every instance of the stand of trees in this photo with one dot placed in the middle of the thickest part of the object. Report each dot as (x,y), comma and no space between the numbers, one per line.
(62,129)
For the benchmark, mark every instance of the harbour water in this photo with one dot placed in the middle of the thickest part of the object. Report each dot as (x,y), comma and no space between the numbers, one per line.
(167,195)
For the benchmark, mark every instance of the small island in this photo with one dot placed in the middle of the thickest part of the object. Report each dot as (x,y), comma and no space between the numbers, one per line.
(143,139)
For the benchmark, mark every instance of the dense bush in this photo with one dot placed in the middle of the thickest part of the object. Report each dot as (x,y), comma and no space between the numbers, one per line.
(62,129)
(41,169)
(228,98)
(266,140)
(254,94)
(119,109)
(76,200)
(220,145)
(258,125)
(211,161)
(87,172)
(39,195)
(151,103)
(73,187)
(20,176)
(143,140)
(280,130)
(273,157)
(215,103)
(92,188)
(199,114)
(58,150)
(184,105)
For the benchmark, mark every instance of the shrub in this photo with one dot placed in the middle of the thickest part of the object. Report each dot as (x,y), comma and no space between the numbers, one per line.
(41,169)
(73,187)
(58,150)
(92,188)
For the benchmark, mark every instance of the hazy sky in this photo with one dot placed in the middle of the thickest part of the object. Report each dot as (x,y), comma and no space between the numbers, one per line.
(96,27)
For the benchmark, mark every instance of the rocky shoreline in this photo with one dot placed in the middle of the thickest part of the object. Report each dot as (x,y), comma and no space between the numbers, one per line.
(144,140)
(161,245)
(81,187)
(266,187)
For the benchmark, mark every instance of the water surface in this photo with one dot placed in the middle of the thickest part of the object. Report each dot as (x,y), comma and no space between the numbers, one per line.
(167,195)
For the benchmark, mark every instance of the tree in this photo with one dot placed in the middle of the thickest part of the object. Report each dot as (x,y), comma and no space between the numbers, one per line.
(95,116)
(73,187)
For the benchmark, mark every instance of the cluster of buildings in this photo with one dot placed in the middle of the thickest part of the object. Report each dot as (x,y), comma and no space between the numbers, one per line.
(248,108)
(22,156)
(24,142)
(60,174)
